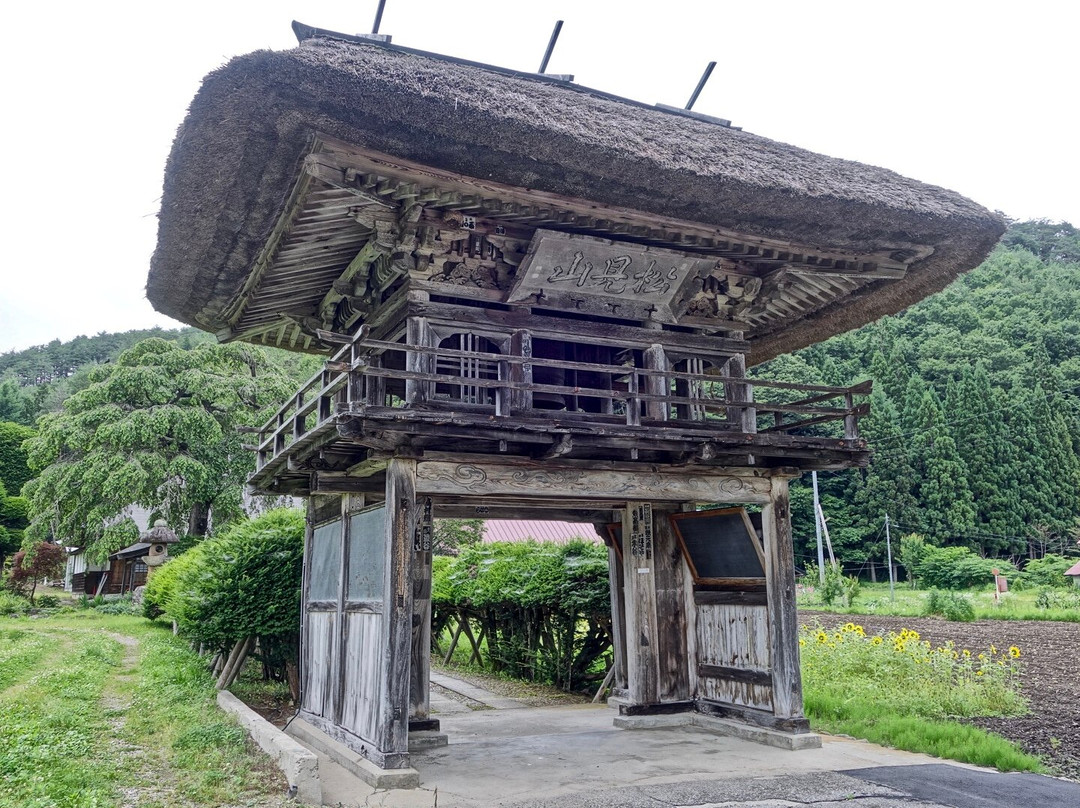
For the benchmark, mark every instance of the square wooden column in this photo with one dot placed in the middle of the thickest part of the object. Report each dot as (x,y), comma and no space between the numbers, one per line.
(392,734)
(657,658)
(639,586)
(787,695)
(420,668)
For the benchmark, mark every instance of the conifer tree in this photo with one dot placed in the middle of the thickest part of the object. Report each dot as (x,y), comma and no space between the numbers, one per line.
(944,494)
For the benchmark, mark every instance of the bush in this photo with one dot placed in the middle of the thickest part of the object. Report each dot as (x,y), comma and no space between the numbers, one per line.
(950,605)
(11,603)
(48,601)
(543,607)
(243,583)
(959,568)
(836,585)
(1046,571)
(123,605)
(1057,599)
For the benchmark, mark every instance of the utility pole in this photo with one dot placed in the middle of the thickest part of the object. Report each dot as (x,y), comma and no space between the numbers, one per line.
(817,531)
(888,551)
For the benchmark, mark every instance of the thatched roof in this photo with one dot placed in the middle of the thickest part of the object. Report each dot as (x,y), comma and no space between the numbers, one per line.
(238,155)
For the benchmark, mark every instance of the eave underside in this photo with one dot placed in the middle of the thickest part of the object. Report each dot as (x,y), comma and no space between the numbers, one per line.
(359,226)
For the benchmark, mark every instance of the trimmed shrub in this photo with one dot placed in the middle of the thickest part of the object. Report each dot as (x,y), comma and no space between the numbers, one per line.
(243,583)
(544,608)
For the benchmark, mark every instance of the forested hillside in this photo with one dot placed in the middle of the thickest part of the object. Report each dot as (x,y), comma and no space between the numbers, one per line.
(38,379)
(975,419)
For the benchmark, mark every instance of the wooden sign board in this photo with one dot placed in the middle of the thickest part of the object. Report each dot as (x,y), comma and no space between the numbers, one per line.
(721,546)
(609,278)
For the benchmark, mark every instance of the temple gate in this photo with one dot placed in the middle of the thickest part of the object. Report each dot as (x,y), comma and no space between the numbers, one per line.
(531,319)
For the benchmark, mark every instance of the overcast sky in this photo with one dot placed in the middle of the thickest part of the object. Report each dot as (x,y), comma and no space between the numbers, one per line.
(980,97)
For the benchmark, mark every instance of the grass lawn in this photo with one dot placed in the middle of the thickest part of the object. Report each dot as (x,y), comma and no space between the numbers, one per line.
(907,602)
(102,711)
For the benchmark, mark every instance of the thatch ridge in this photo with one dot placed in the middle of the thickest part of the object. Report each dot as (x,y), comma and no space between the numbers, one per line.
(238,152)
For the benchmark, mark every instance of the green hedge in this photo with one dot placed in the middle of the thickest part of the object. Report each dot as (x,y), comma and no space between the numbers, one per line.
(243,583)
(544,608)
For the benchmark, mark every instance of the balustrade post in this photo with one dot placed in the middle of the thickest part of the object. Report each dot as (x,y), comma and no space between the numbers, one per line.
(851,423)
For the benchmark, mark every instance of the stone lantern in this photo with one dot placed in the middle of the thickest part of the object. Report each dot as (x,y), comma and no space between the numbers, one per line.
(158,538)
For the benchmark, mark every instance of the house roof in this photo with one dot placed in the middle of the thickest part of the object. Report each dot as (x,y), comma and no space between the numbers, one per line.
(524,529)
(1074,569)
(133,551)
(250,147)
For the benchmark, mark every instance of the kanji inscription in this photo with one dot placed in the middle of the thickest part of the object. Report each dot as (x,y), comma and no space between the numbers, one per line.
(606,277)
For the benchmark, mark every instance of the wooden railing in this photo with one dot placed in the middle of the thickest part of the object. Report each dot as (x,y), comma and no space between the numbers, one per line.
(370,376)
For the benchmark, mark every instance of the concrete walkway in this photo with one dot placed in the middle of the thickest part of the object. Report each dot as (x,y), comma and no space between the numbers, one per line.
(572,757)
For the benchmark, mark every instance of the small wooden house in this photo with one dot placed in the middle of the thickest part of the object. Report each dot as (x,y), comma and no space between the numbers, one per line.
(537,301)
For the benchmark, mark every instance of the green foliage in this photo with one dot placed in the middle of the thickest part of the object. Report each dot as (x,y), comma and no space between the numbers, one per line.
(156,429)
(243,583)
(913,549)
(950,605)
(959,568)
(453,535)
(1058,599)
(543,606)
(1046,571)
(14,468)
(10,603)
(48,601)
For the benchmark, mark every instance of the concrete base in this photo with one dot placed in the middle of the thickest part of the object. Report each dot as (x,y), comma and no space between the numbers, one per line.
(723,726)
(299,765)
(354,763)
(427,740)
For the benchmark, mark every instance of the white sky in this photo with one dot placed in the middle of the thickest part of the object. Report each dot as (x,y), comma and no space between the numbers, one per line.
(980,97)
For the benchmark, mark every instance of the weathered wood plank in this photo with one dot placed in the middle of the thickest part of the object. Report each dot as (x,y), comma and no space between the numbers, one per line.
(783,619)
(392,734)
(673,660)
(486,479)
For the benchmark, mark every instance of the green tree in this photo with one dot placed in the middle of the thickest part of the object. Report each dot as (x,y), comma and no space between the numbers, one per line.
(943,489)
(157,429)
(887,487)
(14,467)
(451,536)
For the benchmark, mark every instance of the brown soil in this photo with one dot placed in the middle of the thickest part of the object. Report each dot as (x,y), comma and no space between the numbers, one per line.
(1050,657)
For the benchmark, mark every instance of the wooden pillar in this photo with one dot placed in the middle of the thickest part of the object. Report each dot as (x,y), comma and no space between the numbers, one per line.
(639,583)
(417,335)
(618,615)
(671,618)
(783,619)
(392,732)
(420,667)
(656,359)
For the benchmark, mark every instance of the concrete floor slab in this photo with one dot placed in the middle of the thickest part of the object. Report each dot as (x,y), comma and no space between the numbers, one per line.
(574,756)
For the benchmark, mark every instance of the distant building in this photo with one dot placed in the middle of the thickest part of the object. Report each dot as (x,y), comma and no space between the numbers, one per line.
(539,530)
(1074,573)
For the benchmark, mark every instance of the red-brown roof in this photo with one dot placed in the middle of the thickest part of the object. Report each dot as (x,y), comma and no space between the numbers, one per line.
(524,529)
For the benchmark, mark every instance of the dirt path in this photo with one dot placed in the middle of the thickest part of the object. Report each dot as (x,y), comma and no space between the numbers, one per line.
(1050,676)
